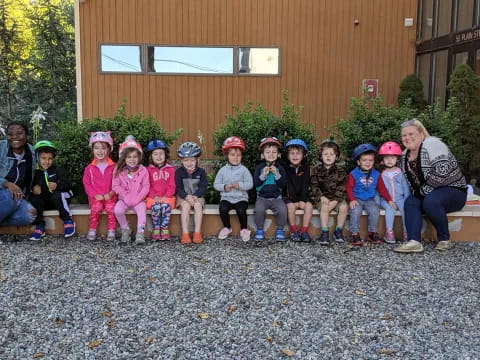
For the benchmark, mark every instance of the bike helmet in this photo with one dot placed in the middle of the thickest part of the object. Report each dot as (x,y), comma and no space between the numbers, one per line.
(156,144)
(269,141)
(362,149)
(100,136)
(189,149)
(231,143)
(390,148)
(45,144)
(296,142)
(332,143)
(129,142)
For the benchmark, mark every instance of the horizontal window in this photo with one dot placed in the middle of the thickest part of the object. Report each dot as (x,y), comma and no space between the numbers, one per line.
(190,60)
(120,58)
(261,61)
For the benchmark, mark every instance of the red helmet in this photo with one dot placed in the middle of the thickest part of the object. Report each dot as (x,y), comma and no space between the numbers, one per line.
(269,141)
(390,148)
(232,142)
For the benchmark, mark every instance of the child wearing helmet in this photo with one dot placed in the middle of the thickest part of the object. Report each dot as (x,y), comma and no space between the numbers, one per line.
(161,197)
(328,187)
(233,182)
(297,192)
(191,184)
(362,185)
(97,182)
(397,187)
(269,179)
(131,184)
(51,189)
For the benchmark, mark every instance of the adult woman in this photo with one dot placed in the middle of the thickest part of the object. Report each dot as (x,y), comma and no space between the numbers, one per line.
(17,166)
(437,183)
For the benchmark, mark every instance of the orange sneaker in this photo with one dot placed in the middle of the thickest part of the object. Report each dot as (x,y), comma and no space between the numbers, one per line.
(185,238)
(197,238)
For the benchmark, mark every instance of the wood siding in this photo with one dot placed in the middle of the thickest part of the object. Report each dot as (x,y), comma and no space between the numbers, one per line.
(323,56)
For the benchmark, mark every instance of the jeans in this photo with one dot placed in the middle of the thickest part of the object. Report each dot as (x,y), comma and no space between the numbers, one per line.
(390,213)
(15,212)
(373,210)
(435,206)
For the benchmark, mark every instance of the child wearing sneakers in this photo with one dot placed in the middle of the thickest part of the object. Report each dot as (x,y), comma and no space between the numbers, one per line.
(131,184)
(233,181)
(269,179)
(397,186)
(328,187)
(297,191)
(51,189)
(362,185)
(191,185)
(161,198)
(97,182)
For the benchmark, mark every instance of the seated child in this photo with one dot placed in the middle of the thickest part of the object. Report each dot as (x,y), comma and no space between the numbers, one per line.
(191,185)
(397,186)
(297,192)
(97,182)
(233,181)
(50,190)
(269,179)
(362,185)
(328,187)
(161,198)
(131,184)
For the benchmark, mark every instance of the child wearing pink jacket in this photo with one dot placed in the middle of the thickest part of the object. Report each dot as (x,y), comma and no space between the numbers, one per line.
(131,184)
(97,182)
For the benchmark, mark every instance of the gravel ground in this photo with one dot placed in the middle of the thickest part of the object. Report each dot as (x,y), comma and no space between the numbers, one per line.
(69,299)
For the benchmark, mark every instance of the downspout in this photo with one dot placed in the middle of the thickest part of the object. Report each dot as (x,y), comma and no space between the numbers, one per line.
(78,62)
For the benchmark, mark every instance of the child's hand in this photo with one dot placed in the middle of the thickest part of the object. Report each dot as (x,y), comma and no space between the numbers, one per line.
(393,205)
(266,170)
(273,170)
(324,200)
(236,186)
(157,199)
(37,190)
(52,186)
(190,199)
(353,204)
(228,188)
(107,196)
(99,197)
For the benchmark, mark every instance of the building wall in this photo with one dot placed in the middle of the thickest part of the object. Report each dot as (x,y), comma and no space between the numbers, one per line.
(324,56)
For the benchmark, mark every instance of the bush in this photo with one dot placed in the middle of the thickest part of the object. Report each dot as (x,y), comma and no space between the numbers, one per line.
(411,90)
(71,139)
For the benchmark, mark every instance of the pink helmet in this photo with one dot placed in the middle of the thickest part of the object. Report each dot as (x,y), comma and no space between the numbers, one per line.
(100,136)
(129,142)
(390,148)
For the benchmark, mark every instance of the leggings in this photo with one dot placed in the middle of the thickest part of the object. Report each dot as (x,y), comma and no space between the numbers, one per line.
(240,207)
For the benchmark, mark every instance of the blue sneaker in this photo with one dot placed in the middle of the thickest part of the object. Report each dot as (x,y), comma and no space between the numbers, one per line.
(280,235)
(295,236)
(38,233)
(338,236)
(259,235)
(305,237)
(324,238)
(68,228)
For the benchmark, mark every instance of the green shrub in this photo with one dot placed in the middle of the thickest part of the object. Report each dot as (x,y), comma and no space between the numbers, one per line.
(411,90)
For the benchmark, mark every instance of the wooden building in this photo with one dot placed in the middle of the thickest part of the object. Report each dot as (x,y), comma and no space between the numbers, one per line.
(186,62)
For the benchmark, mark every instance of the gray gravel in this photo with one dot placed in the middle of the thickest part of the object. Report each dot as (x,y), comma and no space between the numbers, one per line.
(69,299)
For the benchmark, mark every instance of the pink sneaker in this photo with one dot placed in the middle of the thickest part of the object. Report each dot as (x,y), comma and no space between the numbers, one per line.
(245,235)
(223,234)
(165,234)
(156,235)
(389,237)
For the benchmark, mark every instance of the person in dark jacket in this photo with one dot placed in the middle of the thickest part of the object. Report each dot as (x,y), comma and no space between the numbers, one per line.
(51,189)
(269,179)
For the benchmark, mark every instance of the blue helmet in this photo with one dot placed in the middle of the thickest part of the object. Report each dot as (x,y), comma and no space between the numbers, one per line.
(362,149)
(156,144)
(296,142)
(189,149)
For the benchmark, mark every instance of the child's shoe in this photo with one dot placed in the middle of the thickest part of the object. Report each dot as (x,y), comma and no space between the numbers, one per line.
(245,235)
(280,235)
(197,238)
(373,238)
(165,234)
(140,238)
(185,239)
(111,235)
(126,233)
(295,236)
(92,234)
(338,236)
(355,240)
(389,237)
(38,233)
(223,234)
(156,235)
(305,237)
(324,238)
(259,235)
(68,228)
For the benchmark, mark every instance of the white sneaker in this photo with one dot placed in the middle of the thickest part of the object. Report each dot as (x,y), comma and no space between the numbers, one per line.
(412,246)
(92,234)
(245,235)
(126,233)
(111,235)
(140,238)
(223,234)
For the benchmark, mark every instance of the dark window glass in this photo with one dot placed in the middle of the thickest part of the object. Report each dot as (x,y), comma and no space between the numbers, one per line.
(460,58)
(440,76)
(477,62)
(444,17)
(427,20)
(464,14)
(423,71)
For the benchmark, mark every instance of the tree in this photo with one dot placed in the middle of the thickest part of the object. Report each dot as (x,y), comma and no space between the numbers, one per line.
(411,89)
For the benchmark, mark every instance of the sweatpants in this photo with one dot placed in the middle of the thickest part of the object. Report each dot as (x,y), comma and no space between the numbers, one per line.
(51,201)
(96,208)
(241,209)
(140,209)
(277,205)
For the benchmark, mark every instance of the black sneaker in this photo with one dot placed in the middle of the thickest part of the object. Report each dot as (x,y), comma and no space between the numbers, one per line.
(373,238)
(324,238)
(338,236)
(305,237)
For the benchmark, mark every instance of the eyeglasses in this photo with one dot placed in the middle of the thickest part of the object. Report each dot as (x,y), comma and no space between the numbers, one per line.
(409,123)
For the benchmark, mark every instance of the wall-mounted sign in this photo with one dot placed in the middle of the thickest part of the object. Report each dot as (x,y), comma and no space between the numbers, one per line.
(468,35)
(370,87)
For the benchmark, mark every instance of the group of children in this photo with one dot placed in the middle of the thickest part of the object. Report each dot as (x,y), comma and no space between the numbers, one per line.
(282,185)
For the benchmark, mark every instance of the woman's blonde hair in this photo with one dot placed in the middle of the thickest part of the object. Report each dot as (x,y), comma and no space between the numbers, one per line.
(418,124)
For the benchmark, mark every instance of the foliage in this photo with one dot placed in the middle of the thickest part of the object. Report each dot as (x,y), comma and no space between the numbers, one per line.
(411,89)
(212,196)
